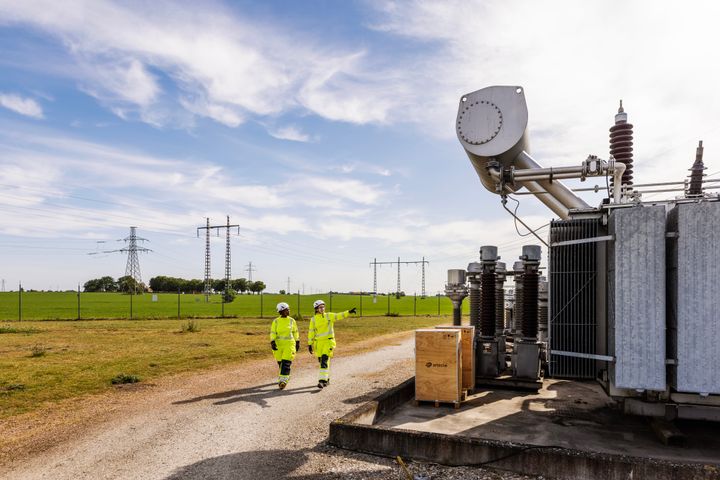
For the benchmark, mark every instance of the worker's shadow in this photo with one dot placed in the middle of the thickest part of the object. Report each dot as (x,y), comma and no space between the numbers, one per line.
(266,464)
(258,394)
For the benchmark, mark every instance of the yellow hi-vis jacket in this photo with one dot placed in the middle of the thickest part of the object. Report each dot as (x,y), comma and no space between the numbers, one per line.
(322,332)
(285,333)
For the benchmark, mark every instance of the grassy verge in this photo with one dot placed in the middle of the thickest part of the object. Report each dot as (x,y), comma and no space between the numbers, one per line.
(44,362)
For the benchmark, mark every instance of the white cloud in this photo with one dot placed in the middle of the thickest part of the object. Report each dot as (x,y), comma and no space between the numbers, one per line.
(21,105)
(236,66)
(341,189)
(290,132)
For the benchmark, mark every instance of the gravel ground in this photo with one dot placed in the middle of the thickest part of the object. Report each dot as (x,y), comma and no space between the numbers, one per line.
(230,423)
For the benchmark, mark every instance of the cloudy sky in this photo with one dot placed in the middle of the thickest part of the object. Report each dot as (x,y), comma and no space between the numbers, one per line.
(323,128)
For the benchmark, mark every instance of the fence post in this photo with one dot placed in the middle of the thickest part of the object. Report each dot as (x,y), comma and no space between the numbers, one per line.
(178,302)
(438,297)
(131,306)
(360,304)
(20,302)
(415,305)
(261,305)
(298,300)
(78,301)
(330,302)
(222,308)
(388,312)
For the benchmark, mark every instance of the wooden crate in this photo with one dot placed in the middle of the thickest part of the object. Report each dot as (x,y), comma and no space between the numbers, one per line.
(438,366)
(468,354)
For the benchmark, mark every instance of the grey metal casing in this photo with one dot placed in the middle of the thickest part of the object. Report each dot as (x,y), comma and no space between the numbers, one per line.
(694,300)
(456,277)
(636,295)
(491,124)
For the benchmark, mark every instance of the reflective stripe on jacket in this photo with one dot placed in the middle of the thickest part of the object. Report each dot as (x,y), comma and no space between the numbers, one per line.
(322,325)
(284,328)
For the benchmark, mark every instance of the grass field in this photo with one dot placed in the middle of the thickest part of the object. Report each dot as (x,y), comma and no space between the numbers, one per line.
(42,362)
(64,305)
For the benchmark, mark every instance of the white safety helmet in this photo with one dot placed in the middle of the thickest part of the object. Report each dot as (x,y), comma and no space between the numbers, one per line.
(317,303)
(282,306)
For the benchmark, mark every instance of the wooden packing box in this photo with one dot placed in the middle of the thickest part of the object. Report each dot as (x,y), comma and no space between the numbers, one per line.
(438,365)
(467,344)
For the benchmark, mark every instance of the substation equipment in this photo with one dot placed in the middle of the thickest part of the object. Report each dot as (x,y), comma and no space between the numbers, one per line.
(631,295)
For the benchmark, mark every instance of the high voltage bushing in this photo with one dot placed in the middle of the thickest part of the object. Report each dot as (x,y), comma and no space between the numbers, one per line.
(500,275)
(456,290)
(530,280)
(473,276)
(518,310)
(488,258)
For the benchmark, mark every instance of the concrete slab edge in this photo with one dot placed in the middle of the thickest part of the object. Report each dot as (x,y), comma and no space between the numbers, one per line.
(357,431)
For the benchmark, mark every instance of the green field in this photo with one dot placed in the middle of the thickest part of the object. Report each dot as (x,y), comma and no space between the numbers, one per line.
(42,362)
(64,305)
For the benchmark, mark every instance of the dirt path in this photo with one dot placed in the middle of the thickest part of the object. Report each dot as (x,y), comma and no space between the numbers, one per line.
(231,423)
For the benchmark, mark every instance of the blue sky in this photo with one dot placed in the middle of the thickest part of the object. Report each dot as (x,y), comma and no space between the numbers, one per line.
(325,129)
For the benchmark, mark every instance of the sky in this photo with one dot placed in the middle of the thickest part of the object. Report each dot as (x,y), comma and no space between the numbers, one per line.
(324,129)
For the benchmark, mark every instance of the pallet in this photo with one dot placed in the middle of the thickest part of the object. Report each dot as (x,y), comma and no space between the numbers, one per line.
(437,403)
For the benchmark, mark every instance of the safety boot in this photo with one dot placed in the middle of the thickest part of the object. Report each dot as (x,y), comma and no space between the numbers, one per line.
(282,385)
(322,384)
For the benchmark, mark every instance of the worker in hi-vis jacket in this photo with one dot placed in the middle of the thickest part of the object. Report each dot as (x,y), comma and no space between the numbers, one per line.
(321,338)
(284,341)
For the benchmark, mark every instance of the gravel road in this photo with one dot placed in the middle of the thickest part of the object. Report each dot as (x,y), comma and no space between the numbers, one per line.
(231,423)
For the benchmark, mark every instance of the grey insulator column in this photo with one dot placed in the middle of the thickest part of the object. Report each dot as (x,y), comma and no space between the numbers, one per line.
(500,277)
(518,313)
(473,276)
(488,257)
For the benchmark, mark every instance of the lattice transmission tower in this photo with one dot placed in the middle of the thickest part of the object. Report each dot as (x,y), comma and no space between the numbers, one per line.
(208,280)
(132,269)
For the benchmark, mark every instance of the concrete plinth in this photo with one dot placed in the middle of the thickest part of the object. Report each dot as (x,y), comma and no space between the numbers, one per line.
(566,430)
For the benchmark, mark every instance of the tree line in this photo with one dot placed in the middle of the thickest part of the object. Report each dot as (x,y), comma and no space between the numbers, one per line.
(162,283)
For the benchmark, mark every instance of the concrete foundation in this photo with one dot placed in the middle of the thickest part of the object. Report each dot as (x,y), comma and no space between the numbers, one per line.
(565,430)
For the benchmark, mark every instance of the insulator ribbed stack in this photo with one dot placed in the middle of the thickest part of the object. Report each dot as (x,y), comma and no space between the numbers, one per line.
(530,304)
(499,308)
(487,313)
(621,144)
(475,306)
(695,187)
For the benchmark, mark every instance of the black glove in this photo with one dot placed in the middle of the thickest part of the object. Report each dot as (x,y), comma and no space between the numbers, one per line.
(353,310)
(273,345)
(297,345)
(310,349)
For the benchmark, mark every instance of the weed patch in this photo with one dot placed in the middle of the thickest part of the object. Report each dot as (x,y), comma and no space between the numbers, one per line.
(122,378)
(11,387)
(9,329)
(191,326)
(38,351)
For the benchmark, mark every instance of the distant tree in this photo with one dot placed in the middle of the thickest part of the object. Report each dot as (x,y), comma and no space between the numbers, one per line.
(229,296)
(239,285)
(257,287)
(128,284)
(282,292)
(102,284)
(218,285)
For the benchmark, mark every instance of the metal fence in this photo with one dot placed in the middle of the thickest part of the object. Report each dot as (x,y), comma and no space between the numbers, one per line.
(21,305)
